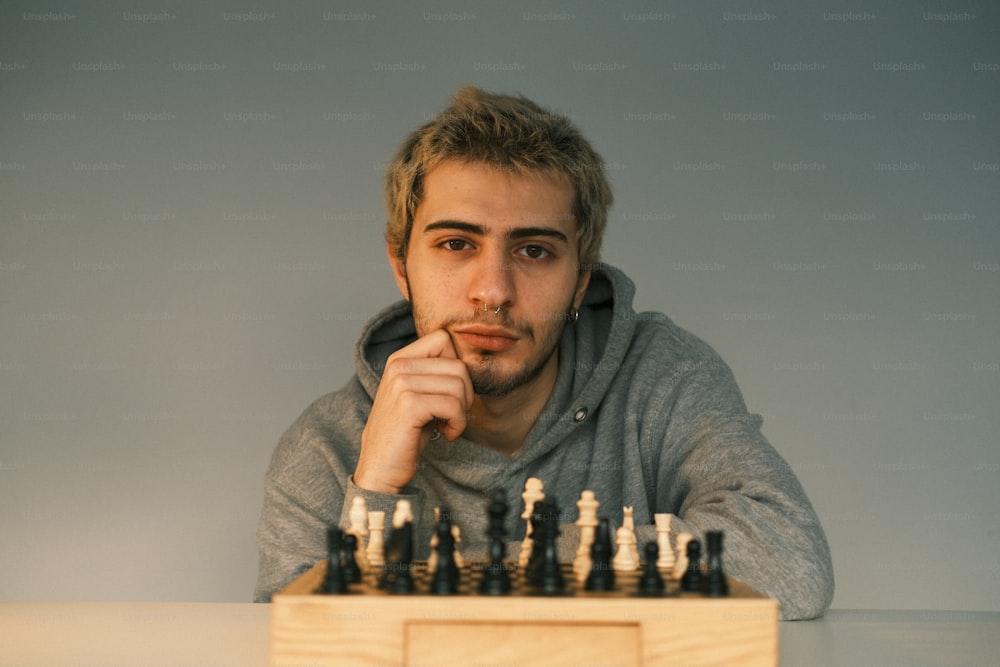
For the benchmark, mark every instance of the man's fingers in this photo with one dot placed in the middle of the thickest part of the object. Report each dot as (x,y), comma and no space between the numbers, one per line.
(435,344)
(440,412)
(433,354)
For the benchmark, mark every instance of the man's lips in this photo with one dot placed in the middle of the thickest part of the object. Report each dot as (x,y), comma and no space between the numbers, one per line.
(495,339)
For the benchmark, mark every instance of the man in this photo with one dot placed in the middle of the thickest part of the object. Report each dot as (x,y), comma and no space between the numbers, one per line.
(515,354)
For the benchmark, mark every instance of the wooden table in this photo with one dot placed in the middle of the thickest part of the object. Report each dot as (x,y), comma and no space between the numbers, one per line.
(172,634)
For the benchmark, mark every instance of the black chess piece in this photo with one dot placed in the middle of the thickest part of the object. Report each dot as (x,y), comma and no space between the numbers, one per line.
(349,547)
(602,575)
(539,524)
(651,583)
(691,581)
(715,583)
(496,580)
(445,580)
(548,574)
(398,577)
(334,583)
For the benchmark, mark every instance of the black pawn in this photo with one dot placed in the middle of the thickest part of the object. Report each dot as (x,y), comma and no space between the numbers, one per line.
(651,583)
(496,580)
(445,580)
(715,583)
(352,573)
(602,576)
(691,581)
(335,583)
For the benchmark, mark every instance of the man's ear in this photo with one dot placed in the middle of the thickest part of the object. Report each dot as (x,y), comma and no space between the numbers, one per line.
(581,288)
(398,271)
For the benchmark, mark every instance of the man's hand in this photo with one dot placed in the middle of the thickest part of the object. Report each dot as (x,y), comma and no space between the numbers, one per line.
(424,387)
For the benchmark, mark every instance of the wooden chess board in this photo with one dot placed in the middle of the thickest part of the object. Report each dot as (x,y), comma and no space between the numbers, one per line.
(371,627)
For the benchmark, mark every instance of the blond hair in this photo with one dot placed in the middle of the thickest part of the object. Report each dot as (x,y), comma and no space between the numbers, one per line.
(506,133)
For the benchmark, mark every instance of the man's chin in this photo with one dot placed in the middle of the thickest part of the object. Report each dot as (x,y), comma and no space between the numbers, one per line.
(491,381)
(494,379)
(494,387)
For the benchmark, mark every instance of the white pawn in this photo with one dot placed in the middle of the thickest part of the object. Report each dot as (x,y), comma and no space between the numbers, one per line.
(376,540)
(456,532)
(359,528)
(666,559)
(587,521)
(532,494)
(681,564)
(623,561)
(432,558)
(629,523)
(403,513)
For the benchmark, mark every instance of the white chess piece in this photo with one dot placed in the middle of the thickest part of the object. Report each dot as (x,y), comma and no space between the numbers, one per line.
(532,494)
(432,558)
(681,564)
(403,513)
(359,528)
(587,521)
(623,560)
(456,532)
(666,559)
(376,539)
(629,522)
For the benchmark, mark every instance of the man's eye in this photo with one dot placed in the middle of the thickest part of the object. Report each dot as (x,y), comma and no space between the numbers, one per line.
(456,244)
(535,251)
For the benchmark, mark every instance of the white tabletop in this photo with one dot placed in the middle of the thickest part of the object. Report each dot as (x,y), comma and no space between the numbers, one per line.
(221,634)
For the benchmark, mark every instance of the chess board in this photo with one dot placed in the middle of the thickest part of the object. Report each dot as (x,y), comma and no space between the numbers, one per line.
(370,626)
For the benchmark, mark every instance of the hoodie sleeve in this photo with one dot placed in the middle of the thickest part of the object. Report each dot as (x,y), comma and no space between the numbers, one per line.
(301,501)
(307,489)
(718,472)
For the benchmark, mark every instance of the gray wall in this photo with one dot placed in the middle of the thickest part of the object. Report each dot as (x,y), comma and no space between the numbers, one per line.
(190,239)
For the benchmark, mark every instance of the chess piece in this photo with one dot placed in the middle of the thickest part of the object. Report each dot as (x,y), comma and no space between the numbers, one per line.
(587,521)
(538,524)
(602,576)
(403,513)
(666,559)
(334,583)
(358,517)
(715,583)
(456,533)
(496,580)
(432,558)
(548,571)
(629,522)
(691,579)
(375,553)
(398,577)
(532,494)
(445,580)
(352,572)
(651,583)
(624,561)
(681,564)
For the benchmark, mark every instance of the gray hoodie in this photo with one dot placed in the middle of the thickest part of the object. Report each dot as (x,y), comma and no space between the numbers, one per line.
(643,413)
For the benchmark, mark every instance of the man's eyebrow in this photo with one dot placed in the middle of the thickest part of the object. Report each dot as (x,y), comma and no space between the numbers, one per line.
(528,232)
(479,230)
(466,227)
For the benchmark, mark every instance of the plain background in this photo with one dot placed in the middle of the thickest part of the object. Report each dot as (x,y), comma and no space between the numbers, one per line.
(191,237)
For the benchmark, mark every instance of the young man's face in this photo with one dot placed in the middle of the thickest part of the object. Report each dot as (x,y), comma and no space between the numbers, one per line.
(484,240)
